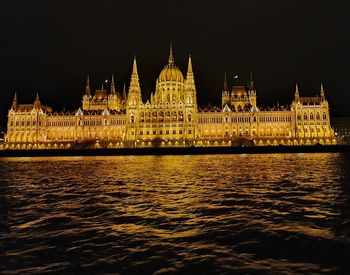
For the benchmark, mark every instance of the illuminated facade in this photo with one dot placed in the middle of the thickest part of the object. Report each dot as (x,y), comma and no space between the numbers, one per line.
(171,117)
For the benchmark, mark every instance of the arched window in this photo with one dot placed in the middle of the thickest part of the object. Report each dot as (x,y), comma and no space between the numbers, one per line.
(311,116)
(254,119)
(181,116)
(189,117)
(305,116)
(161,116)
(324,116)
(132,118)
(298,117)
(174,116)
(318,116)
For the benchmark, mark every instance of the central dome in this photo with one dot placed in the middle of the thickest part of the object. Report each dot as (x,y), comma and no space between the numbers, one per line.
(170,71)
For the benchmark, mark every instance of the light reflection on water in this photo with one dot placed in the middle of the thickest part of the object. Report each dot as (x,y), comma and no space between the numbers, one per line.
(204,214)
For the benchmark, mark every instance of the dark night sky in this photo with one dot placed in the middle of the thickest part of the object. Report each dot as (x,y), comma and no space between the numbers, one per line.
(50,47)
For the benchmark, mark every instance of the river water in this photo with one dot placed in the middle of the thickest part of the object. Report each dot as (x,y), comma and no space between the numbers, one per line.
(278,213)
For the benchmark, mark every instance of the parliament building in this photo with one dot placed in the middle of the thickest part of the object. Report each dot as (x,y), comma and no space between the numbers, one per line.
(170,118)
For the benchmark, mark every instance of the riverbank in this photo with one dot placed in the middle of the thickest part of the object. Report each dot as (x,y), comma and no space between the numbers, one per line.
(177,151)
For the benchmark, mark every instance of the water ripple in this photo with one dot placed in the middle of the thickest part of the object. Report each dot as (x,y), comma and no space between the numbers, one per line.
(176,214)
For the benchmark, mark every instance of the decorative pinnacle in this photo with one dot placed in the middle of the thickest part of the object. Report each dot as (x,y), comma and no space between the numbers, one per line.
(112,85)
(124,91)
(134,67)
(296,90)
(37,99)
(189,68)
(171,56)
(225,82)
(15,97)
(87,87)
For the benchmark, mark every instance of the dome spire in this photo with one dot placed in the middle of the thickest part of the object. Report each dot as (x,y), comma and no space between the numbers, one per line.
(171,56)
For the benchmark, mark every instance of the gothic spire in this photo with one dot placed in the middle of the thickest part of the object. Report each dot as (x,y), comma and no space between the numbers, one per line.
(112,85)
(189,68)
(37,99)
(322,91)
(87,87)
(171,56)
(15,101)
(225,83)
(251,82)
(296,91)
(124,92)
(37,102)
(134,81)
(134,67)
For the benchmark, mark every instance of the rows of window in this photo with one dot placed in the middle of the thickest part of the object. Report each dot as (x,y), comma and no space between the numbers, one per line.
(210,120)
(95,122)
(246,132)
(161,132)
(60,123)
(24,122)
(226,120)
(312,116)
(161,117)
(275,119)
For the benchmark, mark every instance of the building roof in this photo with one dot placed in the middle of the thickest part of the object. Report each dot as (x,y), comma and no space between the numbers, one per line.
(239,91)
(310,100)
(30,107)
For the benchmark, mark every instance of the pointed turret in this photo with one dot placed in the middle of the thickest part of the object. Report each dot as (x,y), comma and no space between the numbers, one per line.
(322,92)
(296,94)
(14,102)
(87,88)
(37,102)
(171,56)
(134,68)
(190,76)
(134,81)
(189,67)
(225,83)
(112,85)
(251,82)
(134,96)
(124,92)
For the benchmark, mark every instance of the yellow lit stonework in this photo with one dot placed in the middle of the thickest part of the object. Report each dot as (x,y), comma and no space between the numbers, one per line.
(170,118)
